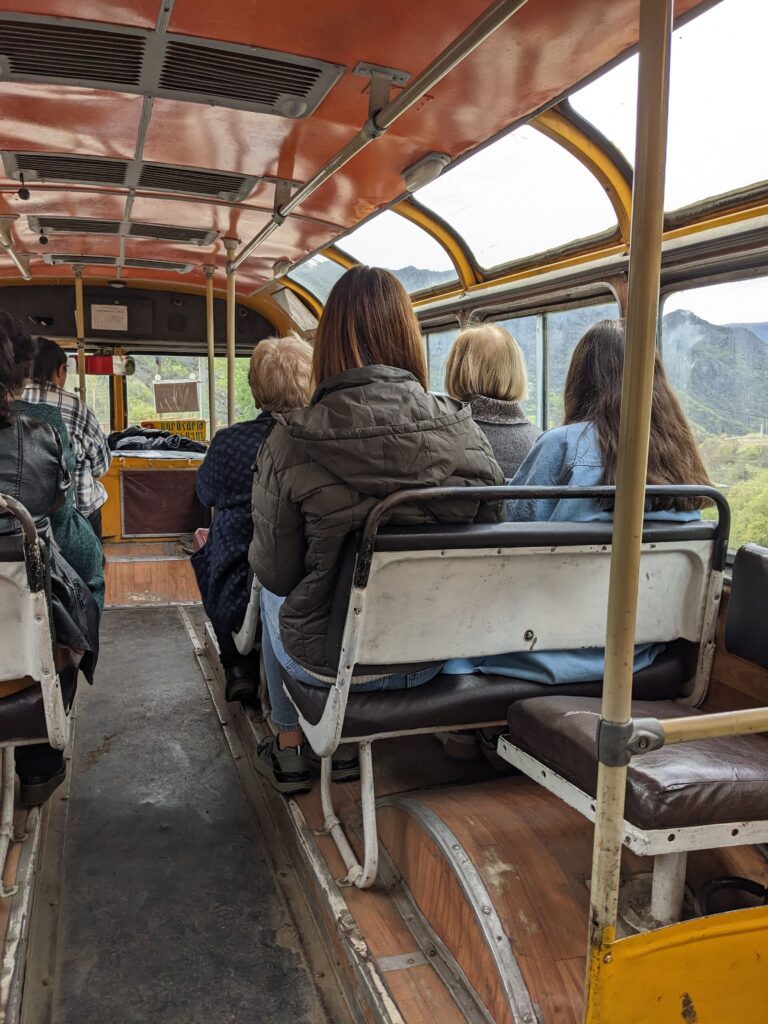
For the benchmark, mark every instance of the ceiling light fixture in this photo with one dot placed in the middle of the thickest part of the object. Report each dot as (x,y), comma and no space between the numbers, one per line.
(23,192)
(43,238)
(281,267)
(425,170)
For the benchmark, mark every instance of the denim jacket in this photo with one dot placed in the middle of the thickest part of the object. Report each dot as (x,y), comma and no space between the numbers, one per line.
(565,456)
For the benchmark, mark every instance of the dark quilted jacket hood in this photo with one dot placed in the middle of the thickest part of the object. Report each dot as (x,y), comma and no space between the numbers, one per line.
(367,432)
(379,431)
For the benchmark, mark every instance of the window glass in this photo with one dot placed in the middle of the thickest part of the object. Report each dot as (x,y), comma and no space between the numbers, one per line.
(715,346)
(318,275)
(438,346)
(97,395)
(390,241)
(526,330)
(521,195)
(562,331)
(151,368)
(717,98)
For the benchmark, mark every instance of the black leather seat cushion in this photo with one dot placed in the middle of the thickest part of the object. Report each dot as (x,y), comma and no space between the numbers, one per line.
(22,715)
(705,782)
(470,699)
(746,634)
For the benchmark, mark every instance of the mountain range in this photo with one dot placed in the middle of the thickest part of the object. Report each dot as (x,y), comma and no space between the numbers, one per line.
(720,372)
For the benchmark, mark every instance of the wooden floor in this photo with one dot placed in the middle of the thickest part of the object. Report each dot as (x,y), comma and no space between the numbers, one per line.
(533,854)
(153,573)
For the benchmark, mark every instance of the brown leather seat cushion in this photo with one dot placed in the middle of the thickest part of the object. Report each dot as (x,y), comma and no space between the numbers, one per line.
(470,699)
(706,782)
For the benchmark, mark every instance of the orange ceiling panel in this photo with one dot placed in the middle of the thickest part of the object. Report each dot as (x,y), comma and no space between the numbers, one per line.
(138,13)
(398,33)
(58,202)
(249,143)
(68,119)
(77,245)
(227,219)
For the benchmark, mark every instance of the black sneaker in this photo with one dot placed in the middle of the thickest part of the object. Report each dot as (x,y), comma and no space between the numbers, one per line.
(345,766)
(287,770)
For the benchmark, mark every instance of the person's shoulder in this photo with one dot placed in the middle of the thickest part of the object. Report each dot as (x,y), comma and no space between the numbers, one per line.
(37,431)
(558,437)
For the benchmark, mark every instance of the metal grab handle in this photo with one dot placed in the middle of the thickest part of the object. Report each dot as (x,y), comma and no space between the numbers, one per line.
(33,556)
(421,495)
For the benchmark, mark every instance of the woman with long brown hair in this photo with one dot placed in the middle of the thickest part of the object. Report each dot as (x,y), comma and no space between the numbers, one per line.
(583,453)
(370,429)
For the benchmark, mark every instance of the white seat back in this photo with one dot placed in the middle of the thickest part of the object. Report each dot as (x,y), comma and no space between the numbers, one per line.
(461,603)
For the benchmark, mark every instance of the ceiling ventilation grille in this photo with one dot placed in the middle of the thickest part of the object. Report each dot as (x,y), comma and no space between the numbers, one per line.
(74,225)
(244,76)
(55,51)
(57,258)
(170,233)
(222,184)
(56,167)
(181,268)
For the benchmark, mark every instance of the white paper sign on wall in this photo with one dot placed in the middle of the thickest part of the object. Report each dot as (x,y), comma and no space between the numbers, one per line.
(109,318)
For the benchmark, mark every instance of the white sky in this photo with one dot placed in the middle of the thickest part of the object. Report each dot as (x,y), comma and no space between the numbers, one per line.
(731,302)
(391,241)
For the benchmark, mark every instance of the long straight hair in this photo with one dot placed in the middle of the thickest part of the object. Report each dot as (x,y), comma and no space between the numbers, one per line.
(593,394)
(368,320)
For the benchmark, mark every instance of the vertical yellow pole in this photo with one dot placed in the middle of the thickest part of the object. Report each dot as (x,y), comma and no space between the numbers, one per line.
(80,331)
(642,324)
(230,244)
(211,337)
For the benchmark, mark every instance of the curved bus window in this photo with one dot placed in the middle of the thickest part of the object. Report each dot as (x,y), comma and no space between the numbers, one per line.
(522,195)
(318,275)
(714,342)
(717,142)
(394,243)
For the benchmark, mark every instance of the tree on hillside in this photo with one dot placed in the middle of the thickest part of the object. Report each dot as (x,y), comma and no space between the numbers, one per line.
(749,510)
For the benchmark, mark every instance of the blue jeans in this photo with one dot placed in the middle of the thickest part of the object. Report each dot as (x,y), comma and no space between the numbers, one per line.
(283,712)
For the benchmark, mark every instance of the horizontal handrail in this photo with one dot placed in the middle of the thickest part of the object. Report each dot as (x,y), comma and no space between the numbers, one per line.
(721,723)
(507,492)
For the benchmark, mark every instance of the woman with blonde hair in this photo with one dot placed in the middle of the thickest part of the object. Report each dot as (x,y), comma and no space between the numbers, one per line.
(486,368)
(371,429)
(280,379)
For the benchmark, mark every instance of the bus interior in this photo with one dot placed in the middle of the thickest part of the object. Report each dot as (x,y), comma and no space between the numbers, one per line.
(180,183)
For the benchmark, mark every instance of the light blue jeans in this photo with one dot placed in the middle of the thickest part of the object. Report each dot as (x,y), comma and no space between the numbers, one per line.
(283,712)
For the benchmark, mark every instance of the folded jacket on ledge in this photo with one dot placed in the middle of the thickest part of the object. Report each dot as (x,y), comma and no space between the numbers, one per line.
(149,439)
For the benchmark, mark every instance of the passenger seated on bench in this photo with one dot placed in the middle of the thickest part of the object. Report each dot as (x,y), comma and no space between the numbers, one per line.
(280,377)
(583,453)
(71,530)
(486,367)
(32,471)
(370,429)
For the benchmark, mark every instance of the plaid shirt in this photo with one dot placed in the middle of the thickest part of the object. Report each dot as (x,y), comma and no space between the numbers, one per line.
(92,456)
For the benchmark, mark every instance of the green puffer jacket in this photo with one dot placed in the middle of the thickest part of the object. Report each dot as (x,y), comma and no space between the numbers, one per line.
(367,433)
